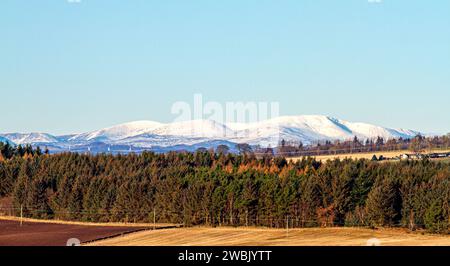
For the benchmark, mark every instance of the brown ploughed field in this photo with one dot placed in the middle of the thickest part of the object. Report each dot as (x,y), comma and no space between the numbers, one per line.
(33,233)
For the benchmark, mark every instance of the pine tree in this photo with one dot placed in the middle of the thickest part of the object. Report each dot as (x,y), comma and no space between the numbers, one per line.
(21,188)
(75,202)
(382,204)
(434,219)
(20,151)
(38,151)
(37,200)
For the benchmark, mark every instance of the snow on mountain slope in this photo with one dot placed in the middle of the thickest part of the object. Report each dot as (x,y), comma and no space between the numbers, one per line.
(307,128)
(117,132)
(364,131)
(30,138)
(180,133)
(407,133)
(316,124)
(194,129)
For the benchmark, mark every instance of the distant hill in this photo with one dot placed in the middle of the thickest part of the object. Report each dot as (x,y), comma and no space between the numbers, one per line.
(190,135)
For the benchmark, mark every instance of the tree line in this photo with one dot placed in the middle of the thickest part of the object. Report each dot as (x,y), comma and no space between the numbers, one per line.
(206,188)
(417,144)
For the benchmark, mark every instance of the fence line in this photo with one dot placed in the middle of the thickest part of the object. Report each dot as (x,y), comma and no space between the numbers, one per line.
(289,221)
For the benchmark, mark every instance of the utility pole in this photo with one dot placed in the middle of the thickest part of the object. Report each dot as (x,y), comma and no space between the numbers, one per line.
(231,211)
(154,218)
(287,226)
(21,214)
(246,219)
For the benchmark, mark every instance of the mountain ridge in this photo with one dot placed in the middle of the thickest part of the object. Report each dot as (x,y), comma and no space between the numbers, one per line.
(144,135)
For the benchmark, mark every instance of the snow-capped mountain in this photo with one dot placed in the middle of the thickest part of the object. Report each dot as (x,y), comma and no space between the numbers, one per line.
(313,128)
(30,138)
(117,132)
(190,135)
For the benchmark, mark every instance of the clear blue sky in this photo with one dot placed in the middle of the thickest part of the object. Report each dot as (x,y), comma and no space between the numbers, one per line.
(68,67)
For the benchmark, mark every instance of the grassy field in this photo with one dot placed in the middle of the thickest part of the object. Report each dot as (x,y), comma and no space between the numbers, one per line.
(199,236)
(386,154)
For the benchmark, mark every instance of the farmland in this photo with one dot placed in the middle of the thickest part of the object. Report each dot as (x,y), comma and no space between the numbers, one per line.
(54,233)
(208,189)
(202,236)
(369,155)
